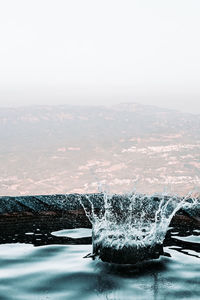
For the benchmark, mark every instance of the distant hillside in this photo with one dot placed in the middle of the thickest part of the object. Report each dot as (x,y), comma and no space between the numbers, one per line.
(58,149)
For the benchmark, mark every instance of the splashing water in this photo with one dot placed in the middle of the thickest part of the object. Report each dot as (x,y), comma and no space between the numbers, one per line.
(133,220)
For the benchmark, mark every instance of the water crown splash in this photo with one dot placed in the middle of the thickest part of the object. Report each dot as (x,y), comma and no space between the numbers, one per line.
(132,227)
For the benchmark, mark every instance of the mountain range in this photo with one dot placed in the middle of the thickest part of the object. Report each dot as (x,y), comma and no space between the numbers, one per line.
(69,149)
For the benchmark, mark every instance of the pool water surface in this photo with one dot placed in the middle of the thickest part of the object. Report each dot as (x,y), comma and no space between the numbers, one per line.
(60,272)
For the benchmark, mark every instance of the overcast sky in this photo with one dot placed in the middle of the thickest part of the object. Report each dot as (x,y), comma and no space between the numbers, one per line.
(84,52)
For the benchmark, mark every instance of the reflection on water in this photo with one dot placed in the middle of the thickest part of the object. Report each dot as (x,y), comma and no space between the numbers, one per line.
(74,233)
(61,272)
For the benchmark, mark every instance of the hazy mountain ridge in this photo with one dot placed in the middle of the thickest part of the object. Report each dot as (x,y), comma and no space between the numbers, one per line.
(47,149)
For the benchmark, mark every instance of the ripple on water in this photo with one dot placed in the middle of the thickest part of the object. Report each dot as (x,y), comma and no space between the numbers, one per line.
(61,272)
(74,233)
(191,238)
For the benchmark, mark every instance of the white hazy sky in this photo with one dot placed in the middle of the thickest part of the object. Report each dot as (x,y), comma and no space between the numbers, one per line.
(93,52)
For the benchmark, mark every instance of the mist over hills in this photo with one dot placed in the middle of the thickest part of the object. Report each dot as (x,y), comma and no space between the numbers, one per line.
(63,149)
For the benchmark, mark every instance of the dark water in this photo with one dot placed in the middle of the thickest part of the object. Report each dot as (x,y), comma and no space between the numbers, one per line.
(61,272)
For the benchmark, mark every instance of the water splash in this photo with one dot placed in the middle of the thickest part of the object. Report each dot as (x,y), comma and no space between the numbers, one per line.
(133,221)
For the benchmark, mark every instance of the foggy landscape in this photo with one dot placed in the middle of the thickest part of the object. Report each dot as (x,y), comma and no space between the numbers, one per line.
(99,150)
(74,149)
